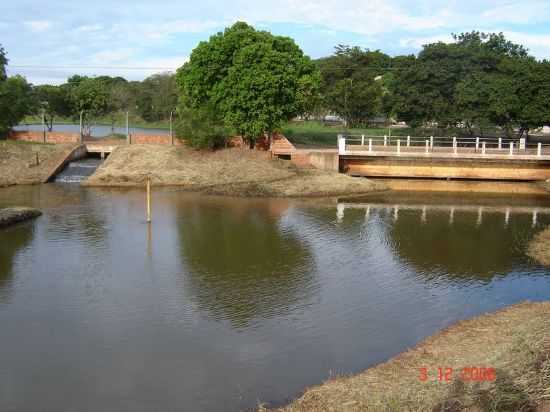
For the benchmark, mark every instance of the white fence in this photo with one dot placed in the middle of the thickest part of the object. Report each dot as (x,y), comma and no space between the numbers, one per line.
(372,145)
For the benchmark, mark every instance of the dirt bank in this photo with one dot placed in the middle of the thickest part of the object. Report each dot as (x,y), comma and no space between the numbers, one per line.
(539,247)
(12,215)
(514,343)
(18,161)
(236,172)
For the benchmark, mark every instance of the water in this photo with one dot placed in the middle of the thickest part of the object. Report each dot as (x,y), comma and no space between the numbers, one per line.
(78,170)
(223,303)
(96,131)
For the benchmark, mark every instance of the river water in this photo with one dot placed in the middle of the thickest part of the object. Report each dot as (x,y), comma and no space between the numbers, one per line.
(223,303)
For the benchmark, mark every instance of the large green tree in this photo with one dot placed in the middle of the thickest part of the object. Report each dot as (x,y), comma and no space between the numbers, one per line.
(16,99)
(427,87)
(52,102)
(89,96)
(353,85)
(253,80)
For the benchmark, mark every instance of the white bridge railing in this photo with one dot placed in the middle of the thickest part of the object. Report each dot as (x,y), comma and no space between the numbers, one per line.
(373,145)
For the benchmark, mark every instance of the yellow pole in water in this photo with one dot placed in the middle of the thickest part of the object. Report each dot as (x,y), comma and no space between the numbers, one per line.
(148,199)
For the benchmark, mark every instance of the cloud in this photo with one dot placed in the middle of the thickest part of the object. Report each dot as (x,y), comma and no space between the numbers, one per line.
(416,43)
(162,33)
(538,44)
(37,25)
(524,12)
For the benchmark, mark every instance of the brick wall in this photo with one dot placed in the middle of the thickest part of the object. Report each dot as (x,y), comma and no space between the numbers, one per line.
(153,139)
(51,137)
(279,144)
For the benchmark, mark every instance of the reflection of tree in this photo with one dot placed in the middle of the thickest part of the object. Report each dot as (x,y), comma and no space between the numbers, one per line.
(461,251)
(12,240)
(241,265)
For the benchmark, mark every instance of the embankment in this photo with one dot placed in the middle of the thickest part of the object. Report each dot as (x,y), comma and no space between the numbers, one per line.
(235,172)
(29,163)
(12,215)
(539,247)
(494,362)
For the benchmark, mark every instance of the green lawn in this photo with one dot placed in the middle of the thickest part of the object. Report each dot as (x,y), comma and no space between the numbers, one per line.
(314,133)
(317,134)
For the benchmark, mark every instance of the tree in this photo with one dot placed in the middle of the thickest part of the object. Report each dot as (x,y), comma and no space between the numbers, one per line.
(3,63)
(252,79)
(426,89)
(201,127)
(15,97)
(353,84)
(16,101)
(157,96)
(52,101)
(89,96)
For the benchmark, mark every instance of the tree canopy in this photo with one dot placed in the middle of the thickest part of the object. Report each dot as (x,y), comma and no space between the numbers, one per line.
(15,97)
(252,80)
(352,83)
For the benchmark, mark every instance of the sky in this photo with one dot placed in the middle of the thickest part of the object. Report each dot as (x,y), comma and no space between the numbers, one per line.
(49,41)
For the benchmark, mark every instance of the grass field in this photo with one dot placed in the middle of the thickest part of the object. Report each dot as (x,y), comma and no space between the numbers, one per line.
(314,133)
(318,134)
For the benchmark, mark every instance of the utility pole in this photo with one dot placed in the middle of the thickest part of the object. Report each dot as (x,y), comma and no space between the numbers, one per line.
(81,115)
(127,129)
(43,126)
(171,133)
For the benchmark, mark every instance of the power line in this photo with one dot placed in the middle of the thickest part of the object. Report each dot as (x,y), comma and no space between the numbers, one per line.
(32,66)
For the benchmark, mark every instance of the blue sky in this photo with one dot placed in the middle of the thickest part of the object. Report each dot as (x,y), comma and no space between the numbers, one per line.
(48,41)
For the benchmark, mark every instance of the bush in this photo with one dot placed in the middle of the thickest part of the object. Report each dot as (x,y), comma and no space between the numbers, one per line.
(201,129)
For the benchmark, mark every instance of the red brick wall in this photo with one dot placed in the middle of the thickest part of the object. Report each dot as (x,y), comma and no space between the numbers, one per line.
(51,137)
(153,139)
(301,160)
(280,144)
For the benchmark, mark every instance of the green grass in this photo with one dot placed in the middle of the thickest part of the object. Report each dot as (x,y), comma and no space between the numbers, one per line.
(315,133)
(318,134)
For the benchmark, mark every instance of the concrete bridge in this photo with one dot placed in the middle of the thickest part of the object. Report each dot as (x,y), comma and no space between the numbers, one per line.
(428,157)
(444,158)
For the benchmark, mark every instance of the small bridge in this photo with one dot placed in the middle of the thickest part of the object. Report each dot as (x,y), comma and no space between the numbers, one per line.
(444,157)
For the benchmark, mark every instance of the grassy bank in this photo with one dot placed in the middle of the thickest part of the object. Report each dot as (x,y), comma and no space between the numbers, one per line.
(539,247)
(18,161)
(12,215)
(236,172)
(514,342)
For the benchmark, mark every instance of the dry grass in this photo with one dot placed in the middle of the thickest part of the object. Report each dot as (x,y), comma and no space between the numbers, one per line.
(12,215)
(539,247)
(18,161)
(514,341)
(237,172)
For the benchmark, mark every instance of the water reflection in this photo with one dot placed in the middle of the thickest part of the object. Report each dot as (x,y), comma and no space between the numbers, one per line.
(243,263)
(12,241)
(457,242)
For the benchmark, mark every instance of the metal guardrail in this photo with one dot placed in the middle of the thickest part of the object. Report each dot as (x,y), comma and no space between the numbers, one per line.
(434,144)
